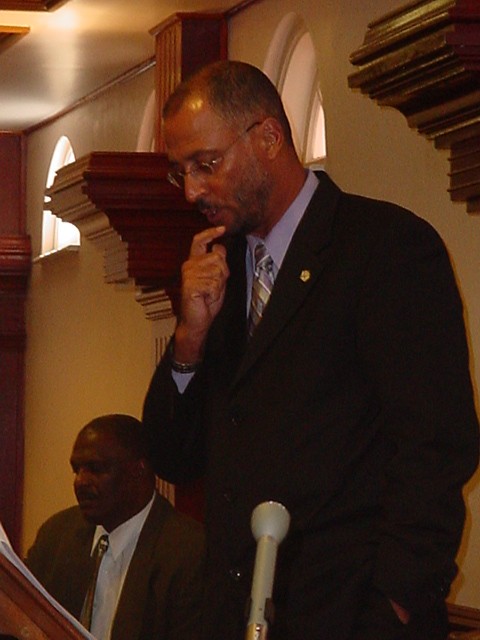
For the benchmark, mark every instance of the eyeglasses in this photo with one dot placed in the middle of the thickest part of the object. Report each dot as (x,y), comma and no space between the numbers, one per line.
(203,170)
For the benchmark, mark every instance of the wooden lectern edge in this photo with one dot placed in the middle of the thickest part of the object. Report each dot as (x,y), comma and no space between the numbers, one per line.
(26,613)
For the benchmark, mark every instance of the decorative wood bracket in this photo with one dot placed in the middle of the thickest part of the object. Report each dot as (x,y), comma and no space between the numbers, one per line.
(125,205)
(424,60)
(122,201)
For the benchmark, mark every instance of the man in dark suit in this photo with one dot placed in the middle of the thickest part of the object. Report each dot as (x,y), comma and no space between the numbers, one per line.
(346,395)
(150,580)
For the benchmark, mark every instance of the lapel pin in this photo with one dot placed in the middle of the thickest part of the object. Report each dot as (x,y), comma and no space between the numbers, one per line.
(305,275)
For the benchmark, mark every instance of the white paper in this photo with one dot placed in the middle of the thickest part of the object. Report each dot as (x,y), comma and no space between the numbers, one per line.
(7,551)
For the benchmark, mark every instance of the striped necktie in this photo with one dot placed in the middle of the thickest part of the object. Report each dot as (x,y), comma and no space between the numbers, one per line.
(87,610)
(263,279)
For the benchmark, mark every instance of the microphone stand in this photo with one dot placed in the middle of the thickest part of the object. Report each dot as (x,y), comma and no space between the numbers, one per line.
(270,522)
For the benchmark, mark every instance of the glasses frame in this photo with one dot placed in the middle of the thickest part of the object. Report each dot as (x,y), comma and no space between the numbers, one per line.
(205,170)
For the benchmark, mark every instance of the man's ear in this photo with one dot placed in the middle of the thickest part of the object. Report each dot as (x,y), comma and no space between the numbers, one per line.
(272,136)
(139,470)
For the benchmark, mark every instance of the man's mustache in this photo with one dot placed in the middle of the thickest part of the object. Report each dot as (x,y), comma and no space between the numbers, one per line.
(85,494)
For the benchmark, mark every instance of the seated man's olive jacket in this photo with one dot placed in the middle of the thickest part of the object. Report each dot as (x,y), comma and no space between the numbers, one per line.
(162,591)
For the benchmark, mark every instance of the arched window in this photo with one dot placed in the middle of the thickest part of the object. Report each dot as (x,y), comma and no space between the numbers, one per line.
(57,234)
(291,65)
(146,135)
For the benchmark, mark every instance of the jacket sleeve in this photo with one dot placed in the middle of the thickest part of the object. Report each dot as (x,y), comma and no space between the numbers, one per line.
(174,423)
(39,556)
(411,336)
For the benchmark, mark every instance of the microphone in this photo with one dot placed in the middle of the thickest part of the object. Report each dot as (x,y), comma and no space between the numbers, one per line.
(270,522)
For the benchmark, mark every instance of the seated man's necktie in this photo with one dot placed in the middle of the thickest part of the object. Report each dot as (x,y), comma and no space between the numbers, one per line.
(87,610)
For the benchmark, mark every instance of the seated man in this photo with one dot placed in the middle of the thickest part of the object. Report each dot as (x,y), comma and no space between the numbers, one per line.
(149,583)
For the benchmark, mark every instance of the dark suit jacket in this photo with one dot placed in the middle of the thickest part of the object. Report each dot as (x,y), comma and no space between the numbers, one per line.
(162,592)
(351,405)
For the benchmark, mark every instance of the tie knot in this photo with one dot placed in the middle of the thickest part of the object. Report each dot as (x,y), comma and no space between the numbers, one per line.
(102,545)
(263,260)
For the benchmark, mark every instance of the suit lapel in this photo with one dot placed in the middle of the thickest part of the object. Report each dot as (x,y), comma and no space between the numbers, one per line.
(301,268)
(134,596)
(78,569)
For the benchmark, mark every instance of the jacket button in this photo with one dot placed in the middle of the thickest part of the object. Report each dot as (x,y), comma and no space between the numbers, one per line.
(228,497)
(236,416)
(235,574)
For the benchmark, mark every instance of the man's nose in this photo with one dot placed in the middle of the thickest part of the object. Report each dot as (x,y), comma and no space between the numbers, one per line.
(82,477)
(195,187)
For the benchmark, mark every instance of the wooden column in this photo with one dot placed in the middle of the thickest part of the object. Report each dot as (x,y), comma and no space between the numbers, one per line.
(183,43)
(15,261)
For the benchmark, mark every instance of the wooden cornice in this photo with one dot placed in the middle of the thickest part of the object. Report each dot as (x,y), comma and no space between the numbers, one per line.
(124,203)
(30,5)
(11,35)
(424,60)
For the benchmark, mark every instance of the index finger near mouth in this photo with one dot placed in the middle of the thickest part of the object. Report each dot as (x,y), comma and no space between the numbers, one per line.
(204,238)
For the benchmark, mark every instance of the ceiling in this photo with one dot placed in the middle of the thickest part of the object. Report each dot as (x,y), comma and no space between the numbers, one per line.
(49,59)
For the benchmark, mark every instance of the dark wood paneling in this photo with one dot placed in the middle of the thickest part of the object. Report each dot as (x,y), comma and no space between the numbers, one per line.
(15,260)
(12,214)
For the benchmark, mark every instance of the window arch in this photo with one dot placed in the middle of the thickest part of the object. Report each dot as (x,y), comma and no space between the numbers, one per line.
(57,234)
(146,134)
(291,65)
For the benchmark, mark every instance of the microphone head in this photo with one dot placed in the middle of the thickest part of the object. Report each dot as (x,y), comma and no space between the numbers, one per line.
(270,519)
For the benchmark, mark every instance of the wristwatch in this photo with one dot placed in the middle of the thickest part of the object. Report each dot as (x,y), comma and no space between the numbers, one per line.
(181,367)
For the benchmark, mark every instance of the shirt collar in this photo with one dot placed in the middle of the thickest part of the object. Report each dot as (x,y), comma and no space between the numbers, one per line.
(279,237)
(125,534)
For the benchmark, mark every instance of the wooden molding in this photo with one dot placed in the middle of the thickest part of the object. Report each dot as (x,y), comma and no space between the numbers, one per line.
(424,60)
(30,5)
(15,261)
(156,305)
(11,35)
(124,203)
(15,264)
(462,620)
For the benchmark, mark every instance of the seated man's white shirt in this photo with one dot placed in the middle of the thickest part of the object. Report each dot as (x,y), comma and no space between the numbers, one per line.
(113,569)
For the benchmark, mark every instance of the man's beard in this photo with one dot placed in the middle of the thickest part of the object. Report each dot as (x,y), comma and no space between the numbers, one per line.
(250,196)
(253,206)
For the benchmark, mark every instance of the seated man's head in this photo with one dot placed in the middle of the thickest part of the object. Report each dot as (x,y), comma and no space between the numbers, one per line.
(113,477)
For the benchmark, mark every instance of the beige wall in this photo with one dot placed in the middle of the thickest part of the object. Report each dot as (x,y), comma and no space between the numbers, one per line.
(89,344)
(104,364)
